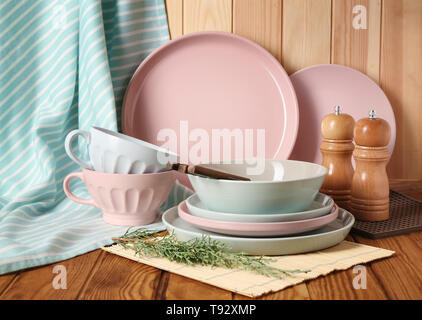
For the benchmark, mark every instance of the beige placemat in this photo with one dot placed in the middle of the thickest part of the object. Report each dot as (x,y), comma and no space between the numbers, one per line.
(340,257)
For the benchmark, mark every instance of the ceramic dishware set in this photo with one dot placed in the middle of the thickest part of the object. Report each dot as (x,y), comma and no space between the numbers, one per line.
(126,178)
(256,216)
(218,80)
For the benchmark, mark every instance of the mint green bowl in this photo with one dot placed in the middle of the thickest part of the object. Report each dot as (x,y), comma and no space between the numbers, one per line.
(282,186)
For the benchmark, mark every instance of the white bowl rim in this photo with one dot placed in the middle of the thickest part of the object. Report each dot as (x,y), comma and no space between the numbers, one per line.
(129,175)
(134,140)
(325,171)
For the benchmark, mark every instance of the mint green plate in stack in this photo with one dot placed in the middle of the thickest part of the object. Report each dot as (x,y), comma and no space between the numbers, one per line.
(322,205)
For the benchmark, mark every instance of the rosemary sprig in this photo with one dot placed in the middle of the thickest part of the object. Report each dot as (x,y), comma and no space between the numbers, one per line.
(200,251)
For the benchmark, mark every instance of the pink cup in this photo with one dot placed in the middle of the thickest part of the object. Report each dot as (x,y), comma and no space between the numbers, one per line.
(125,199)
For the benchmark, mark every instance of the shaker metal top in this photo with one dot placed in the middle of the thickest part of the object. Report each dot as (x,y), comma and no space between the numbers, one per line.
(337,110)
(372,114)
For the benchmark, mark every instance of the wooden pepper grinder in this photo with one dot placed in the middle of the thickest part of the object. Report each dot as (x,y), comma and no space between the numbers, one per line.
(370,187)
(337,148)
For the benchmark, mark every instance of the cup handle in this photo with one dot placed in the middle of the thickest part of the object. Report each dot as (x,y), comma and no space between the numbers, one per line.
(68,146)
(70,195)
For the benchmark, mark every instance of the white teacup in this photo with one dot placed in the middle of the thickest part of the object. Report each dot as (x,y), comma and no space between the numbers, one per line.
(113,152)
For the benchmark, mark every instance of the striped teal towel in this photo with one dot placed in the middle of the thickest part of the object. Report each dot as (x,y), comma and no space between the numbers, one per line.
(63,65)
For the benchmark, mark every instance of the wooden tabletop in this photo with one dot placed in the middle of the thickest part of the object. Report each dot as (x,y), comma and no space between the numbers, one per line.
(101,275)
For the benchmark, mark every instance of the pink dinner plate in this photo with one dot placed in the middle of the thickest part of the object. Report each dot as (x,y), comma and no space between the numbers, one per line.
(256,229)
(322,87)
(187,91)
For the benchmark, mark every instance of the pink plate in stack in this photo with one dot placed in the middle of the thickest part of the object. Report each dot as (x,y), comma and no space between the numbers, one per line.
(250,229)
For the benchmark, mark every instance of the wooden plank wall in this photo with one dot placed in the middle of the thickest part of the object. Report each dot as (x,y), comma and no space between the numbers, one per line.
(300,33)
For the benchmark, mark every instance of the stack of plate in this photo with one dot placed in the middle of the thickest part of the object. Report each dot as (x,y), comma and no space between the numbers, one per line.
(279,212)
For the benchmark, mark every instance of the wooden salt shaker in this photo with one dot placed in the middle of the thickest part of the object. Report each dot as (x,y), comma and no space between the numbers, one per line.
(337,148)
(370,186)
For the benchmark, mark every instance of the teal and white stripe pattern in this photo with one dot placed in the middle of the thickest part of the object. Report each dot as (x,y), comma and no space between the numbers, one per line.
(64,64)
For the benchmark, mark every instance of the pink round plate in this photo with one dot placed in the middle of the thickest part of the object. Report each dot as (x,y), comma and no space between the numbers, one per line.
(256,229)
(322,87)
(207,81)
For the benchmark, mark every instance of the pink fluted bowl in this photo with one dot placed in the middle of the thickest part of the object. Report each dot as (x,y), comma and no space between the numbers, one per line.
(124,199)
